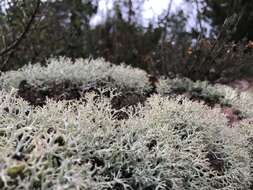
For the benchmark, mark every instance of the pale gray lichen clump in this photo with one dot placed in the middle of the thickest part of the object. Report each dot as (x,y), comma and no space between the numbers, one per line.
(242,101)
(167,144)
(222,94)
(81,71)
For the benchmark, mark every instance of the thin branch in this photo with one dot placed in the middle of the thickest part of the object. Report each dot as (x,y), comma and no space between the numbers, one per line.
(199,18)
(165,33)
(16,42)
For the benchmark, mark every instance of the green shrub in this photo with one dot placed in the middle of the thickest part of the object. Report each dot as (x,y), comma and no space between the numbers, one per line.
(207,59)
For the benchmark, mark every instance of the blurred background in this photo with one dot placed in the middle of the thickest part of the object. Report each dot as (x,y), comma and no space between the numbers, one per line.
(199,39)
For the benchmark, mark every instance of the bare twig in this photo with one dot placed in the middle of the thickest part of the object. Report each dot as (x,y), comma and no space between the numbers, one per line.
(199,18)
(165,32)
(19,39)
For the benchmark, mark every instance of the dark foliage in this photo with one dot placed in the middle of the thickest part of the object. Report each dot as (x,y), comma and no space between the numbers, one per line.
(62,28)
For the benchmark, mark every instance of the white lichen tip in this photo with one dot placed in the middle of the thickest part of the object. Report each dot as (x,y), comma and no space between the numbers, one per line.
(172,144)
(81,71)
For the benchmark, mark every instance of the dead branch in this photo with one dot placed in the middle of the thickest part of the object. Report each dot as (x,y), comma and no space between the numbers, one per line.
(19,39)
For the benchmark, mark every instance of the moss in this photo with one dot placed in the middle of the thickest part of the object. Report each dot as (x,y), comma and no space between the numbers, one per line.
(15,171)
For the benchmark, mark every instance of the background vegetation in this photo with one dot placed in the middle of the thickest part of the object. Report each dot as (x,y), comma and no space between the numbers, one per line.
(161,121)
(32,31)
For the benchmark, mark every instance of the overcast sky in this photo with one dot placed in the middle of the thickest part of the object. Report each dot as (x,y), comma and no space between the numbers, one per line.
(151,10)
(155,7)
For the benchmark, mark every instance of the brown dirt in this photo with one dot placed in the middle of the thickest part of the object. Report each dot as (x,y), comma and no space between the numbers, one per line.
(216,163)
(66,90)
(37,96)
(70,91)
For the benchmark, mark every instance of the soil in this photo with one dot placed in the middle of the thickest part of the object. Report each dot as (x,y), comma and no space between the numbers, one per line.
(37,96)
(67,90)
(216,163)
